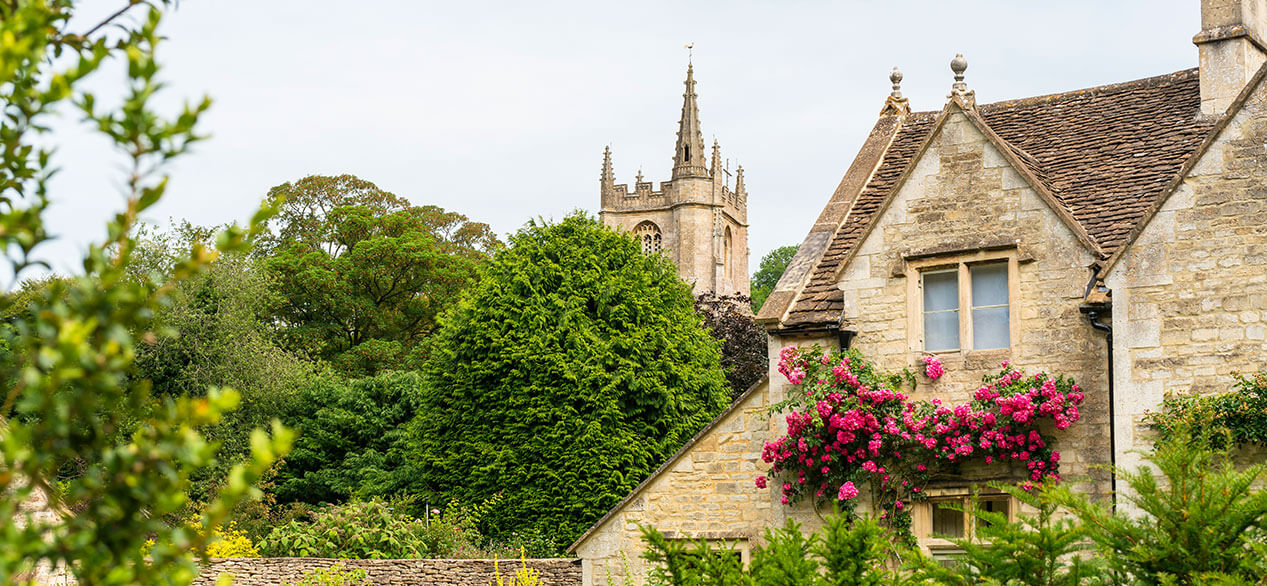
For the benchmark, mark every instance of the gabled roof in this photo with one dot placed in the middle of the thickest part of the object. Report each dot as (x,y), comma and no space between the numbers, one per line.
(1103,155)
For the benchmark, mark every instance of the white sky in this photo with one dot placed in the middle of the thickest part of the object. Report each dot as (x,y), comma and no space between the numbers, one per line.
(501,110)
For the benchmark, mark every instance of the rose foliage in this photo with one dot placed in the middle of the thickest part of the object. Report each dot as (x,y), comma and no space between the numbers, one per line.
(849,424)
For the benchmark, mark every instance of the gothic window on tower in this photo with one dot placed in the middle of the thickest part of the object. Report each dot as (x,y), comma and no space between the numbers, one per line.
(726,254)
(648,236)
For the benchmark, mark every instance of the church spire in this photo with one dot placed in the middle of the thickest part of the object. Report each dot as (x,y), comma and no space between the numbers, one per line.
(688,157)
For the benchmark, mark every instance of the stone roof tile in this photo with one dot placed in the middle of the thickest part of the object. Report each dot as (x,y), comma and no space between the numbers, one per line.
(1106,154)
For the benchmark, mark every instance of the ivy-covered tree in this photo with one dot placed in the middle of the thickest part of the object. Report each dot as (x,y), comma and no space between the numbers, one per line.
(74,347)
(571,371)
(361,285)
(744,344)
(768,273)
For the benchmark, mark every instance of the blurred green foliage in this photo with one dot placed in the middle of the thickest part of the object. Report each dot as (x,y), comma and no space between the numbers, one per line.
(72,342)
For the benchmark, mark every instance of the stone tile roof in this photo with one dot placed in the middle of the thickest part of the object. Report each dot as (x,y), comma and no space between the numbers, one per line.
(1106,154)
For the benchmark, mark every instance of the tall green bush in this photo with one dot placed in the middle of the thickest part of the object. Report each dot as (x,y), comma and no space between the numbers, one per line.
(353,439)
(573,369)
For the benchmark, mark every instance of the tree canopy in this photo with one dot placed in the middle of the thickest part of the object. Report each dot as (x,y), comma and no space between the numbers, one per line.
(570,372)
(361,275)
(768,273)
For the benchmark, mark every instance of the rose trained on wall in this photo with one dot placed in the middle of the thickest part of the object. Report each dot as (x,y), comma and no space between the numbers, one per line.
(848,424)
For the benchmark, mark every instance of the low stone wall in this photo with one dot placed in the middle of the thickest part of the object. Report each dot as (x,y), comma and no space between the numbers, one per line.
(276,571)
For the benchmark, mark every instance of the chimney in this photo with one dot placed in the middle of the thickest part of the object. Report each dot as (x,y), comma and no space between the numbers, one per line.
(1231,48)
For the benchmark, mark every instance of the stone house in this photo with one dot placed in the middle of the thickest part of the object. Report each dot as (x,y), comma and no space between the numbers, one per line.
(1115,234)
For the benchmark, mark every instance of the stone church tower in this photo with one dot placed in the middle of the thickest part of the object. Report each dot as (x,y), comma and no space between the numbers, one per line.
(694,217)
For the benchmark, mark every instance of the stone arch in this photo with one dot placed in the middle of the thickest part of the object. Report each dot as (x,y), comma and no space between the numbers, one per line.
(648,236)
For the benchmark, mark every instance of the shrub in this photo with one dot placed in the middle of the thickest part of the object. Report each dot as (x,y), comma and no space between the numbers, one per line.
(336,575)
(850,424)
(1236,418)
(844,553)
(370,530)
(352,439)
(575,367)
(1202,517)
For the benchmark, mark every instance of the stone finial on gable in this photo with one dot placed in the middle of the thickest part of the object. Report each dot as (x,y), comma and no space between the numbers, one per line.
(959,91)
(895,104)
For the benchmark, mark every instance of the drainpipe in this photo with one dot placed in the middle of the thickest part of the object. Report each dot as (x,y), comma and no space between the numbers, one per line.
(1093,312)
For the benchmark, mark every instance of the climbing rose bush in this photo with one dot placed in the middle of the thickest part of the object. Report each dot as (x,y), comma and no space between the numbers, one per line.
(848,424)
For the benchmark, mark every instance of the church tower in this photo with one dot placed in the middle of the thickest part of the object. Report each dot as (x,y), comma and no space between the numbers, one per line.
(695,217)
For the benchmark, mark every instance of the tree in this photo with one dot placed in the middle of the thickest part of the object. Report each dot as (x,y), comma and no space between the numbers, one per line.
(73,350)
(767,276)
(572,369)
(744,344)
(361,275)
(305,217)
(1203,518)
(219,338)
(352,439)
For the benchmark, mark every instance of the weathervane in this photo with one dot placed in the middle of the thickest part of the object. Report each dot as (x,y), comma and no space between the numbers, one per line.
(690,51)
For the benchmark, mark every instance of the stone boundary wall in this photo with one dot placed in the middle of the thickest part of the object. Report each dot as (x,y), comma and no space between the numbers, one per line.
(441,572)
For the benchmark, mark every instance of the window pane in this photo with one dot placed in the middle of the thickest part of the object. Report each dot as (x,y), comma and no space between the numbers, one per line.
(947,522)
(989,328)
(992,506)
(989,284)
(941,290)
(941,330)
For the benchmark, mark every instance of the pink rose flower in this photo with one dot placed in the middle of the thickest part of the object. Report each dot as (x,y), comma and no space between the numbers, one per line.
(847,491)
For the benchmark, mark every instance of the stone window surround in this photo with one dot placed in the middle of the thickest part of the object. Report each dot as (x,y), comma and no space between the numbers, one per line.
(914,267)
(922,516)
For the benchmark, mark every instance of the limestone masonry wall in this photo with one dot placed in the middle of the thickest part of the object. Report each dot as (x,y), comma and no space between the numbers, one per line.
(964,202)
(276,571)
(706,493)
(1190,295)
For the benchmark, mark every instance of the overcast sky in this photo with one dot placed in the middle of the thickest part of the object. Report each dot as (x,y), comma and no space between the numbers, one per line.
(501,110)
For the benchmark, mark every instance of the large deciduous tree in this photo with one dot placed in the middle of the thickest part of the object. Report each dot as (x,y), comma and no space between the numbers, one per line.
(362,275)
(570,372)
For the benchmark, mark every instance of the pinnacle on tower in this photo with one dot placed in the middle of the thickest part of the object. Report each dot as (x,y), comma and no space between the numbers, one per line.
(608,179)
(688,156)
(716,169)
(739,187)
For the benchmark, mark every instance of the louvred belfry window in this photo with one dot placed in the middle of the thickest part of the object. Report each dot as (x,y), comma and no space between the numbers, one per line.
(648,236)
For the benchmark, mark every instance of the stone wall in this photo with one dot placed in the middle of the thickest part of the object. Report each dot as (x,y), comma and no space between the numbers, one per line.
(963,201)
(276,571)
(707,492)
(1190,295)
